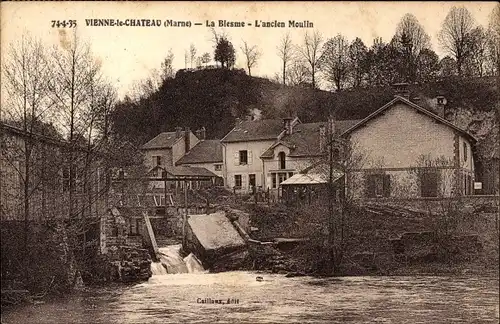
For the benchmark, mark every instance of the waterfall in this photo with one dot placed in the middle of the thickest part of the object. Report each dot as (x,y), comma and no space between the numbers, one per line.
(171,262)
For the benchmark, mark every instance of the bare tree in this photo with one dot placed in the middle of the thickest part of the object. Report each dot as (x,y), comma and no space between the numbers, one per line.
(411,38)
(252,55)
(285,53)
(25,78)
(192,54)
(475,63)
(167,68)
(298,74)
(455,34)
(310,51)
(334,61)
(494,40)
(76,75)
(357,56)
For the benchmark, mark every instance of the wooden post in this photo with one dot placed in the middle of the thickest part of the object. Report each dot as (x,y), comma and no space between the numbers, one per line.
(184,219)
(151,235)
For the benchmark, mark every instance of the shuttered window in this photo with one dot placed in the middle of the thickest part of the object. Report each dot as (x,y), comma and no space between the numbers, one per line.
(378,185)
(429,184)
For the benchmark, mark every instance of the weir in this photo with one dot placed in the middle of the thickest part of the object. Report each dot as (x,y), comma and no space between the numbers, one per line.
(171,262)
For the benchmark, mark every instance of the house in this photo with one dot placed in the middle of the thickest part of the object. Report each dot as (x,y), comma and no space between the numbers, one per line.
(168,147)
(408,152)
(299,147)
(206,154)
(57,188)
(242,148)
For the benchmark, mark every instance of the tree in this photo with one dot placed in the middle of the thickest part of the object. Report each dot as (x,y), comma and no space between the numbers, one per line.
(357,59)
(334,61)
(427,65)
(192,54)
(447,66)
(167,68)
(186,59)
(224,53)
(493,49)
(455,35)
(285,53)
(25,77)
(475,62)
(310,51)
(252,55)
(410,39)
(298,74)
(205,58)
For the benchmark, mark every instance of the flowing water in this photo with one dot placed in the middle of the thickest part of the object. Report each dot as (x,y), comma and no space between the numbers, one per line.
(171,262)
(192,296)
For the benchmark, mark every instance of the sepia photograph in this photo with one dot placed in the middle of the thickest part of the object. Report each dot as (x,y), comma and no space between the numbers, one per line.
(249,162)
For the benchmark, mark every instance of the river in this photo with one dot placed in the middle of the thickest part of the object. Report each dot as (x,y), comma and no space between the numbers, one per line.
(177,298)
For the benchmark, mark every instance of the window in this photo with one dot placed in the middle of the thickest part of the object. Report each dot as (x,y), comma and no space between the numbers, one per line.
(218,167)
(251,180)
(156,160)
(378,185)
(468,185)
(282,163)
(237,180)
(279,177)
(465,152)
(429,184)
(243,157)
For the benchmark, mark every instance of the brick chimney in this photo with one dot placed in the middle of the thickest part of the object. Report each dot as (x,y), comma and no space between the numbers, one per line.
(187,139)
(401,90)
(439,108)
(287,125)
(178,132)
(203,133)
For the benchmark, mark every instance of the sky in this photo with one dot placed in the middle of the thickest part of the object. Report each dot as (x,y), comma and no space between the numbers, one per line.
(128,54)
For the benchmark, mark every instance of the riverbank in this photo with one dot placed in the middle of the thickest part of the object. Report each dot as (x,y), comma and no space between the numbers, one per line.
(378,242)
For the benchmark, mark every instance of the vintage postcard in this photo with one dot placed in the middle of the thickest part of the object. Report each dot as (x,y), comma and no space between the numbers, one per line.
(249,162)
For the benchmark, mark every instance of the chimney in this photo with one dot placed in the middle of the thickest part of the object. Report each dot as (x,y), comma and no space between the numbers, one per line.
(331,126)
(186,139)
(322,138)
(178,132)
(203,132)
(440,105)
(287,125)
(401,90)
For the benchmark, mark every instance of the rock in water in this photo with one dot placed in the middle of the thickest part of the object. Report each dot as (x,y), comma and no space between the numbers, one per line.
(193,264)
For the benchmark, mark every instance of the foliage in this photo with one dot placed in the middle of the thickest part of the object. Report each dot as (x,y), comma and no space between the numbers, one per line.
(225,53)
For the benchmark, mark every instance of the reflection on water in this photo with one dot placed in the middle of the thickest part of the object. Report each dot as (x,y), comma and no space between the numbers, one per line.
(177,298)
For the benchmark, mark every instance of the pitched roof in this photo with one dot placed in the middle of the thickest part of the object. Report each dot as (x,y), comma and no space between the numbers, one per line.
(304,140)
(412,105)
(207,151)
(186,171)
(162,140)
(254,130)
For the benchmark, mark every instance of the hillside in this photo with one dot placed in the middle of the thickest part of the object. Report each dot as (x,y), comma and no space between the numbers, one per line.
(214,98)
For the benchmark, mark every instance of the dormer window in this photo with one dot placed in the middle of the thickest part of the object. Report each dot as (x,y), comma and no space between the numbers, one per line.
(281,159)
